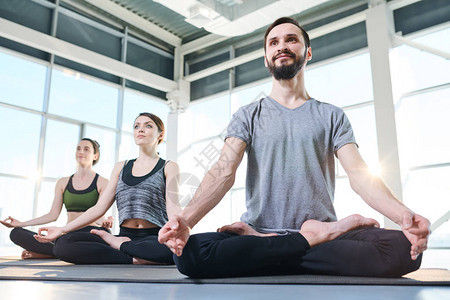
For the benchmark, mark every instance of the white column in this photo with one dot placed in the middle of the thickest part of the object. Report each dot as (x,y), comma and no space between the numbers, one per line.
(172,136)
(178,100)
(380,27)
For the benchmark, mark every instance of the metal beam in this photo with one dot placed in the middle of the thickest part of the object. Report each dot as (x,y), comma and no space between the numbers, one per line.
(444,218)
(225,65)
(47,43)
(396,4)
(202,43)
(139,22)
(399,40)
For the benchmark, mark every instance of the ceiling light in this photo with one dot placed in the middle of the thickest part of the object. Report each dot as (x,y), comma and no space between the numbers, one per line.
(200,15)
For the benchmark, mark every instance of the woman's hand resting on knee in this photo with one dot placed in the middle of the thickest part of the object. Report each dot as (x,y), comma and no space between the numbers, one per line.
(53,233)
(11,222)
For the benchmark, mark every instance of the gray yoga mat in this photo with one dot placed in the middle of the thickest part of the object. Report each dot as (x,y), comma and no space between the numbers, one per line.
(50,269)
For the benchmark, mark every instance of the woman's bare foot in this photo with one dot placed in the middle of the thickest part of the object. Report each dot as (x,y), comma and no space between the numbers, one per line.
(242,228)
(316,232)
(111,240)
(30,255)
(140,261)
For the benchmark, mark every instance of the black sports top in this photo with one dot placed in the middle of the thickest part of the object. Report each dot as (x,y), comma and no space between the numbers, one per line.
(80,201)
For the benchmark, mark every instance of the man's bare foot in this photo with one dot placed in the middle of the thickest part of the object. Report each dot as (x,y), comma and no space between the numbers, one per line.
(316,232)
(30,255)
(111,240)
(242,228)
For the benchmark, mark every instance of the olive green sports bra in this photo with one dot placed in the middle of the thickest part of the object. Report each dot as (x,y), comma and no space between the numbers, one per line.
(80,201)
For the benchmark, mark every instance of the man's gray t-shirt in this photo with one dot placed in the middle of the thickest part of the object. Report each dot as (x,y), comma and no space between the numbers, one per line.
(291,166)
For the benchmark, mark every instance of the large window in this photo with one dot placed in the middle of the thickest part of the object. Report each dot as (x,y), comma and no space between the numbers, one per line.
(136,103)
(422,122)
(45,201)
(39,146)
(413,69)
(21,82)
(20,135)
(107,140)
(422,82)
(342,83)
(60,145)
(76,97)
(15,192)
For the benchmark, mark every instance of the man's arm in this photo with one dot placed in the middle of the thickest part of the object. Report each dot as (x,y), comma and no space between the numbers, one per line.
(216,183)
(377,195)
(172,172)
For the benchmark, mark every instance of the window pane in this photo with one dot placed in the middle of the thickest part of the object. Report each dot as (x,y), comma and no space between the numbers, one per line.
(135,103)
(15,75)
(77,32)
(347,202)
(439,40)
(363,124)
(20,131)
(249,95)
(237,204)
(61,142)
(162,150)
(128,148)
(194,163)
(413,69)
(210,85)
(45,201)
(16,201)
(341,83)
(422,124)
(82,99)
(206,119)
(250,72)
(151,61)
(216,218)
(426,192)
(107,141)
(241,173)
(200,157)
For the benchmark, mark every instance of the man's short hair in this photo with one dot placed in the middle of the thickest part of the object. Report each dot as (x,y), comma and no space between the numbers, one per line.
(291,21)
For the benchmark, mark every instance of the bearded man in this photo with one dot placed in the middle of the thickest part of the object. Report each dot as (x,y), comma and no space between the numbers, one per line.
(290,226)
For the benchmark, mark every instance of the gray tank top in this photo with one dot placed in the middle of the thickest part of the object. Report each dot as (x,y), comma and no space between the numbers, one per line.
(142,197)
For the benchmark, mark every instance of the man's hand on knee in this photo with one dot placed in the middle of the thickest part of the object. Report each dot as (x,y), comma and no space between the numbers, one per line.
(417,229)
(175,234)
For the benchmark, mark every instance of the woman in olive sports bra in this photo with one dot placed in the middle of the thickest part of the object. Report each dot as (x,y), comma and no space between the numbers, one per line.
(146,193)
(78,193)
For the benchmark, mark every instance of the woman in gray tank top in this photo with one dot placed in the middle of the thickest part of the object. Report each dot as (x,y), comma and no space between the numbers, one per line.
(146,193)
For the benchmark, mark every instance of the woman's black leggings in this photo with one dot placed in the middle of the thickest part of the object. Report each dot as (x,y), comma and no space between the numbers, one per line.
(87,248)
(362,252)
(24,238)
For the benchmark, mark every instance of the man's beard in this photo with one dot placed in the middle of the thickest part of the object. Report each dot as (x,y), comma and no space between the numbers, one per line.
(286,72)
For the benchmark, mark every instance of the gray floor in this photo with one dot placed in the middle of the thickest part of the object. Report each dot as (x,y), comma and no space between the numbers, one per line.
(21,289)
(111,291)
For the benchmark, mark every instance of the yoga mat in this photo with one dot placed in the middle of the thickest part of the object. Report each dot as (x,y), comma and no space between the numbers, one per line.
(52,269)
